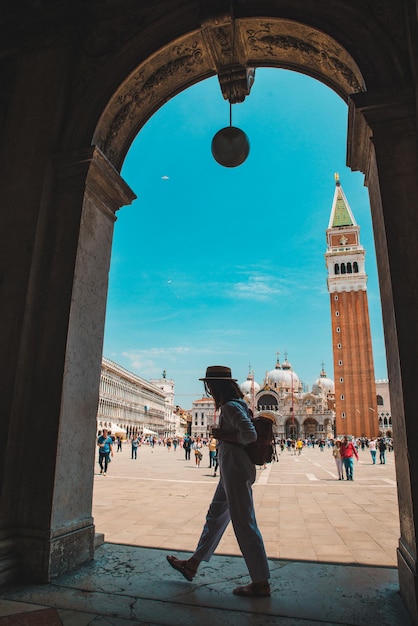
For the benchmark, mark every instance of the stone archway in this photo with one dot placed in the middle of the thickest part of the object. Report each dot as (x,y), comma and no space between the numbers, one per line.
(232,49)
(310,428)
(100,90)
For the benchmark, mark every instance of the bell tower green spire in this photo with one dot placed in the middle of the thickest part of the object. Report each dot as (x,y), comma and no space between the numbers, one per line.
(341,214)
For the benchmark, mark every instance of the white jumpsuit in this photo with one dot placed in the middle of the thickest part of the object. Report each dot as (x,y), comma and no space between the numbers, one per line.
(233,498)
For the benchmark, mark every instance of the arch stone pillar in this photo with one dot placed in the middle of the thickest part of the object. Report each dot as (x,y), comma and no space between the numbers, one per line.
(384,144)
(46,526)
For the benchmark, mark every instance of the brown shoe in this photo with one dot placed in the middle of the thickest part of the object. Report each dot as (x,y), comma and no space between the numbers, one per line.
(254,590)
(182,567)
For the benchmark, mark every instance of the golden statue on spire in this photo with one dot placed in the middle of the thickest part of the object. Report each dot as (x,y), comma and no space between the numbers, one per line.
(337,177)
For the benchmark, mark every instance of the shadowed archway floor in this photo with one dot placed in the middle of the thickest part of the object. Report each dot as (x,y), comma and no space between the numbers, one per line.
(127,584)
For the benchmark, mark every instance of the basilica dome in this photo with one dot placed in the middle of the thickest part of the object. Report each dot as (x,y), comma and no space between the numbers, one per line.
(283,377)
(249,386)
(323,384)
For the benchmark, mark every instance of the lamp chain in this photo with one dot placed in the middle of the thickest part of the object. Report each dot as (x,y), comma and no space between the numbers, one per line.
(232,60)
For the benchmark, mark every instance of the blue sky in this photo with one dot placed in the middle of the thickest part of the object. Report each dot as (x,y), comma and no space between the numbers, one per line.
(214,265)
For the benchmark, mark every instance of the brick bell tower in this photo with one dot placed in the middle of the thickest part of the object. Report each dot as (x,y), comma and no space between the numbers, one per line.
(355,388)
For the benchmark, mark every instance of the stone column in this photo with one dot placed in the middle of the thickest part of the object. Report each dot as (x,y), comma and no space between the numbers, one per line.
(390,161)
(48,479)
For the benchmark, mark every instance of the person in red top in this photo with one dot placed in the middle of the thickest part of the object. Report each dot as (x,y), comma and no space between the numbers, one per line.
(348,451)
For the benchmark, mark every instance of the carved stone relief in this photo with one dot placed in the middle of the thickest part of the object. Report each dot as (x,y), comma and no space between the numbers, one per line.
(150,84)
(232,50)
(287,44)
(236,82)
(228,58)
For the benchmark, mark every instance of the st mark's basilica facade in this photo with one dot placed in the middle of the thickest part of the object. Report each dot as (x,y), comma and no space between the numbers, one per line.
(295,411)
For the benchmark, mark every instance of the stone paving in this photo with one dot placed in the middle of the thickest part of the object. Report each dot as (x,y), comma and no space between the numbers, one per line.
(331,546)
(160,501)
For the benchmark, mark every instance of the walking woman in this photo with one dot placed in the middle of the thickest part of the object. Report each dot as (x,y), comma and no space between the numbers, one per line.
(197,447)
(336,453)
(233,498)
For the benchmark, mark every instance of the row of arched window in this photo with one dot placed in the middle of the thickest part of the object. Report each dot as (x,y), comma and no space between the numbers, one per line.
(114,410)
(112,387)
(385,421)
(346,268)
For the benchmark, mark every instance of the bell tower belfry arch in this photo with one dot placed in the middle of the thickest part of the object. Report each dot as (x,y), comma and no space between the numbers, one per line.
(94,75)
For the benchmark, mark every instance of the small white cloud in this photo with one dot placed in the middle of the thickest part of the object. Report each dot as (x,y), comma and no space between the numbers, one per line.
(165,177)
(148,360)
(257,287)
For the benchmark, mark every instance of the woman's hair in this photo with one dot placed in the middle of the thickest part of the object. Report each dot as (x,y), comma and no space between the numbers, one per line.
(222,391)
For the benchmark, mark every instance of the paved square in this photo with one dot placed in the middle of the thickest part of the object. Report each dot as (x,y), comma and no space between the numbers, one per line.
(160,501)
(332,547)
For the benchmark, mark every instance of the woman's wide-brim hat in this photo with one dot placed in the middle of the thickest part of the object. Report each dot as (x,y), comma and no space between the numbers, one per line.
(218,372)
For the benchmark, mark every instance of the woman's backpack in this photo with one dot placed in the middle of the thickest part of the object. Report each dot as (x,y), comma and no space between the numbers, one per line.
(264,449)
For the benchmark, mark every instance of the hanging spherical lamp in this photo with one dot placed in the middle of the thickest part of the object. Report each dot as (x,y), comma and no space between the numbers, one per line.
(230,146)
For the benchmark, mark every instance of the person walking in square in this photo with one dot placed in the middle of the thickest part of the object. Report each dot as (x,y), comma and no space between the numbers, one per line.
(212,451)
(348,452)
(197,447)
(105,443)
(187,445)
(336,453)
(215,462)
(382,451)
(134,446)
(372,448)
(233,498)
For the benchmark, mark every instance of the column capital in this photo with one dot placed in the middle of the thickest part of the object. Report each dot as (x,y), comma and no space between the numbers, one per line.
(378,107)
(377,117)
(89,170)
